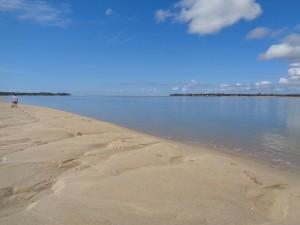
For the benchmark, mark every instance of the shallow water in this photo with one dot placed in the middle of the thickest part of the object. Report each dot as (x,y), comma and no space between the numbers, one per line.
(264,127)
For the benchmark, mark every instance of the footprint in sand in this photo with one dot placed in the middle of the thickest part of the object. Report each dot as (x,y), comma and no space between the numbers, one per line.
(252,177)
(67,164)
(177,159)
(278,186)
(78,134)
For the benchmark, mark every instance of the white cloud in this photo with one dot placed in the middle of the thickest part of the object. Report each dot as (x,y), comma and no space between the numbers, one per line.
(265,32)
(196,87)
(293,39)
(285,85)
(293,77)
(294,69)
(37,11)
(289,48)
(207,17)
(192,86)
(176,88)
(279,51)
(224,85)
(263,84)
(283,81)
(108,12)
(259,33)
(237,87)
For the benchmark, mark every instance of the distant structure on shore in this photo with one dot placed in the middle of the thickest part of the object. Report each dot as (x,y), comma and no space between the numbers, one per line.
(235,95)
(33,94)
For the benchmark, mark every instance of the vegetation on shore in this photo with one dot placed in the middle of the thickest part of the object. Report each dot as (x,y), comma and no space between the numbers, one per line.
(236,95)
(33,94)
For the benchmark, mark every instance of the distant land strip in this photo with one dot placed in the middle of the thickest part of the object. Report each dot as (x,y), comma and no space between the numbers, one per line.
(236,95)
(33,94)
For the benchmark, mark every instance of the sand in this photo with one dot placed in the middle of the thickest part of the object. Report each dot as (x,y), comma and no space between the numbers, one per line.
(58,168)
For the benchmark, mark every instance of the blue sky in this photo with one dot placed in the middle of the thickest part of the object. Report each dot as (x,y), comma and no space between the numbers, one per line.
(149,47)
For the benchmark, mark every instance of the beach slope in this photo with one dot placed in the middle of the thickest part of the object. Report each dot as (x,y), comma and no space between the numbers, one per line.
(58,168)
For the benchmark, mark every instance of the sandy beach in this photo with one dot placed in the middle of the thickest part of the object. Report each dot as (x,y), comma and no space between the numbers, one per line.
(58,168)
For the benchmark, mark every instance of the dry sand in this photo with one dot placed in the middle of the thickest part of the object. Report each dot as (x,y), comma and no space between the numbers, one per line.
(58,168)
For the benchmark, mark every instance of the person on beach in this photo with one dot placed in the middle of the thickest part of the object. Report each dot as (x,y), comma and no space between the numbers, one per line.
(14,101)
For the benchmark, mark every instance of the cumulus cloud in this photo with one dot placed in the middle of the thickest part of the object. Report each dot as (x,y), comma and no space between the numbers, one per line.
(279,51)
(294,69)
(293,77)
(207,17)
(38,11)
(289,49)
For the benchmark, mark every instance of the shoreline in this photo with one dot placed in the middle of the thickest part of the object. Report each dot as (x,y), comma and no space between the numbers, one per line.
(282,161)
(209,147)
(256,156)
(191,147)
(58,163)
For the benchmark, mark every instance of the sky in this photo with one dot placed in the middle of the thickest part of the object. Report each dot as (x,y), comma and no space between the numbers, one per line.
(150,47)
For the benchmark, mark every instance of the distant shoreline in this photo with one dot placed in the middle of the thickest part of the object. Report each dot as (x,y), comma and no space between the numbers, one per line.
(234,95)
(33,94)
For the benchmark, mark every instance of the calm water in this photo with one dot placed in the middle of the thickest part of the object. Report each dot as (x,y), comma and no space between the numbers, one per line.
(264,127)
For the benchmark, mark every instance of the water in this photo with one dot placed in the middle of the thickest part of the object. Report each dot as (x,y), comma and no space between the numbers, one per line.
(264,127)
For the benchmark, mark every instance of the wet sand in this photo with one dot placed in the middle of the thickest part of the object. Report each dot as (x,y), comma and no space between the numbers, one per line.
(58,168)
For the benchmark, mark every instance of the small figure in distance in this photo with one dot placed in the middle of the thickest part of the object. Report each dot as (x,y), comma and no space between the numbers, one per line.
(14,101)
